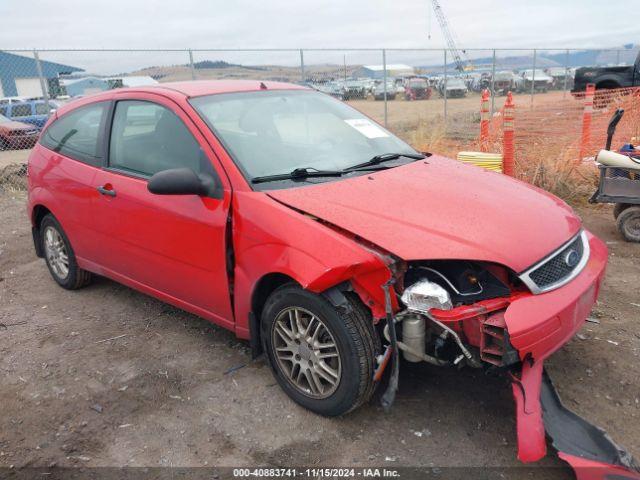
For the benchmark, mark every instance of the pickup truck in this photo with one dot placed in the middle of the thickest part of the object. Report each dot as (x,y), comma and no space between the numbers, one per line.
(608,77)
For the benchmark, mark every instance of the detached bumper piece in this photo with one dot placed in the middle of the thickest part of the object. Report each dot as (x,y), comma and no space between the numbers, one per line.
(588,449)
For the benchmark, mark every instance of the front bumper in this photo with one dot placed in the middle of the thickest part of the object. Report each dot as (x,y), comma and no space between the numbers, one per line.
(538,326)
(588,449)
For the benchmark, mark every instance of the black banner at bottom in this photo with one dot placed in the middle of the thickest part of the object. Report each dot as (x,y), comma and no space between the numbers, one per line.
(287,473)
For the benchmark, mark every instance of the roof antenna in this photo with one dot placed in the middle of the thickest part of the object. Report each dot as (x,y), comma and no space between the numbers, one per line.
(262,86)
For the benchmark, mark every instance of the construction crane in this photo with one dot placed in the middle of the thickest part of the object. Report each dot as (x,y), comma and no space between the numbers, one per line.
(462,61)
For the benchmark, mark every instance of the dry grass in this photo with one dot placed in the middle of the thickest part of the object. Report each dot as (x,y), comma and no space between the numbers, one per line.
(557,171)
(547,140)
(552,166)
(13,178)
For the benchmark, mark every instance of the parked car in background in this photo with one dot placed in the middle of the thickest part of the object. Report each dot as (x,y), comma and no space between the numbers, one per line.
(7,100)
(16,135)
(608,77)
(481,82)
(378,90)
(399,86)
(454,86)
(542,82)
(330,88)
(34,112)
(561,77)
(504,82)
(417,88)
(354,89)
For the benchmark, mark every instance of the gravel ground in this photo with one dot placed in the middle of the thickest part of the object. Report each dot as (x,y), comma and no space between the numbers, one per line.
(106,376)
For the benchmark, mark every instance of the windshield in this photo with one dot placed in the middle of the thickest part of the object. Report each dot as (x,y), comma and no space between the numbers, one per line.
(275,132)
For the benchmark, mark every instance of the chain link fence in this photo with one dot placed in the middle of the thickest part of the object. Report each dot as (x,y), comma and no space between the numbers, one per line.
(423,95)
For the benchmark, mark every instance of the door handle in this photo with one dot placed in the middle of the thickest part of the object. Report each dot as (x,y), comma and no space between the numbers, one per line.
(107,191)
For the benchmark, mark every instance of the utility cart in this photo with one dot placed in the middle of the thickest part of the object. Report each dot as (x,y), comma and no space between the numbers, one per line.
(620,184)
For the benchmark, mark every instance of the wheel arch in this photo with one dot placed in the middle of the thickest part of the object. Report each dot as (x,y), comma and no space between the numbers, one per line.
(607,83)
(268,283)
(38,212)
(265,286)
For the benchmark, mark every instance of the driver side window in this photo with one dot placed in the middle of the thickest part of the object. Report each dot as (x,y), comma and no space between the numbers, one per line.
(147,138)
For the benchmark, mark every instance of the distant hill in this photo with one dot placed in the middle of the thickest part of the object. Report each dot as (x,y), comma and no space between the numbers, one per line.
(576,58)
(212,64)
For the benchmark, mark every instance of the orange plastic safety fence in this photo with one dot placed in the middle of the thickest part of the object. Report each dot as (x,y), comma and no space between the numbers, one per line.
(552,148)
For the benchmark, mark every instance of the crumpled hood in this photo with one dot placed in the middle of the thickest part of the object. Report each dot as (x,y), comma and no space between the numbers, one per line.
(442,209)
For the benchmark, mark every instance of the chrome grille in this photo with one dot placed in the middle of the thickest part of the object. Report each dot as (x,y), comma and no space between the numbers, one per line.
(560,267)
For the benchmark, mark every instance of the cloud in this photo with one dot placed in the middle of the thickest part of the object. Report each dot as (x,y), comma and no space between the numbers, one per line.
(140,24)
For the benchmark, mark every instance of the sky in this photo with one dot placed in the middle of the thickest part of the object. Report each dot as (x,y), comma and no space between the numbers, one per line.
(295,24)
(316,23)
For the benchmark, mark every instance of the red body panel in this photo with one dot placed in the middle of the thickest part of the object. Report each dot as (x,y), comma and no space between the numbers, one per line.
(66,187)
(526,392)
(442,209)
(591,470)
(540,324)
(271,238)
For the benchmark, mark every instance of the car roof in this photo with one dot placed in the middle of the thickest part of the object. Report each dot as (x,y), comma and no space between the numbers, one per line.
(199,88)
(194,88)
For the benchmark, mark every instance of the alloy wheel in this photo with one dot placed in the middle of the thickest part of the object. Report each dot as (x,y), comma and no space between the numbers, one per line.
(306,352)
(56,252)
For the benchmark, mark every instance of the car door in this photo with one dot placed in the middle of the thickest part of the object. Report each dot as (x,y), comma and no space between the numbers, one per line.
(173,247)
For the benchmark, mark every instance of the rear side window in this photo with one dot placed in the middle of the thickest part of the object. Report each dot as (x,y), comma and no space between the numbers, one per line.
(21,110)
(147,138)
(78,134)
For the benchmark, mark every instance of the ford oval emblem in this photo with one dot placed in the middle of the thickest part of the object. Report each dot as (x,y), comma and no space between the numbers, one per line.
(571,258)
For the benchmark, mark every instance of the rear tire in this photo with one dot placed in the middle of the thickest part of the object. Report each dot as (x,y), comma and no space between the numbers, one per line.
(628,223)
(59,255)
(293,349)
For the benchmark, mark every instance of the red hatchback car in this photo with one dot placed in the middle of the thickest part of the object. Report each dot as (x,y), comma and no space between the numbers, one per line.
(292,219)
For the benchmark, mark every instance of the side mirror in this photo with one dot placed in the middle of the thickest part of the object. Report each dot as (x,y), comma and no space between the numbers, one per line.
(181,181)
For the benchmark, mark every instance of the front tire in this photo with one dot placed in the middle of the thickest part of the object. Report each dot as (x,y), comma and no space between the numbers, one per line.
(322,356)
(59,255)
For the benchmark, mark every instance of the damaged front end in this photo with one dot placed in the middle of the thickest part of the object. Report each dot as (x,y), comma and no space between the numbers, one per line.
(456,313)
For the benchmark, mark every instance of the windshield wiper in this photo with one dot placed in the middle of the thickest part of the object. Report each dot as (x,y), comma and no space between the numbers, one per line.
(298,174)
(384,157)
(307,172)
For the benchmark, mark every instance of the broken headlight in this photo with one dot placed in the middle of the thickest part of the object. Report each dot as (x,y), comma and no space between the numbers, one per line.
(424,295)
(464,282)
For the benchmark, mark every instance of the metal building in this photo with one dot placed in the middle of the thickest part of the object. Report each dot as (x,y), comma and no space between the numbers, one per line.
(19,75)
(377,71)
